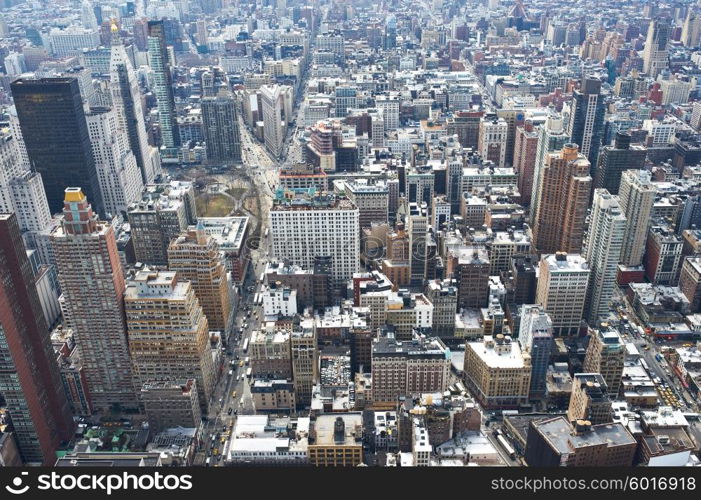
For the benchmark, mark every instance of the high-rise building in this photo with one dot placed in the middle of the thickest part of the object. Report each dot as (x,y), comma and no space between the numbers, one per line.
(371,199)
(163,213)
(221,129)
(274,119)
(691,29)
(525,156)
(417,227)
(92,282)
(196,257)
(126,102)
(602,251)
(469,266)
(29,376)
(586,124)
(171,404)
(536,339)
(305,363)
(444,297)
(466,124)
(616,159)
(563,198)
(497,372)
(163,84)
(119,175)
(589,399)
(552,137)
(663,254)
(562,290)
(637,196)
(55,134)
(307,225)
(492,139)
(606,354)
(690,282)
(655,52)
(168,332)
(408,368)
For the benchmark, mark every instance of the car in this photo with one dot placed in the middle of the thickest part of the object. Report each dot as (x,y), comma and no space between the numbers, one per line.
(236,412)
(231,372)
(233,394)
(230,411)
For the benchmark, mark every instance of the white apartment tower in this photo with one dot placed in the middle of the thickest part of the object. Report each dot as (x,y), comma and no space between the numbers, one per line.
(602,250)
(637,196)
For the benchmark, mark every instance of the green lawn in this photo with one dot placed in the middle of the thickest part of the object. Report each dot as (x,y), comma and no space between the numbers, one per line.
(214,205)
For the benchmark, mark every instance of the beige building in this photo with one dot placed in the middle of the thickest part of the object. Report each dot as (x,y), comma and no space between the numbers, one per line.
(269,350)
(168,333)
(276,395)
(606,355)
(497,373)
(195,257)
(336,439)
(589,399)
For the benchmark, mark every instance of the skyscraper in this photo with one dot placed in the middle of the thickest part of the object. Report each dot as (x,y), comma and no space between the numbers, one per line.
(221,129)
(563,198)
(55,133)
(168,332)
(92,282)
(305,362)
(655,51)
(117,170)
(602,252)
(163,84)
(126,101)
(615,159)
(536,338)
(196,258)
(606,355)
(637,196)
(551,138)
(586,124)
(29,376)
(273,117)
(691,30)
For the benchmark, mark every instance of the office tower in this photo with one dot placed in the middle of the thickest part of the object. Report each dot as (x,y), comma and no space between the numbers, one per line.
(417,227)
(602,251)
(606,354)
(525,156)
(117,171)
(92,283)
(691,29)
(551,137)
(497,373)
(195,256)
(272,98)
(663,253)
(420,186)
(164,211)
(616,159)
(304,226)
(562,290)
(168,332)
(690,282)
(29,377)
(554,442)
(492,140)
(171,404)
(586,123)
(389,105)
(163,84)
(637,196)
(521,279)
(55,133)
(305,363)
(466,125)
(371,199)
(345,99)
(536,339)
(563,198)
(444,297)
(221,129)
(469,266)
(126,101)
(589,399)
(408,368)
(655,51)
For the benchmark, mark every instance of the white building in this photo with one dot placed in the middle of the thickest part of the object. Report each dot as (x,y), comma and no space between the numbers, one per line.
(72,40)
(117,171)
(390,111)
(562,290)
(637,197)
(274,116)
(279,301)
(660,132)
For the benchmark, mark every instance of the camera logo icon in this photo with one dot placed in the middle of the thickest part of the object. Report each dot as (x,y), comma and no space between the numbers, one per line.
(16,488)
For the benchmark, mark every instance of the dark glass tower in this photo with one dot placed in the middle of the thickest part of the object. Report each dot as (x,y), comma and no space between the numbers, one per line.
(221,129)
(616,159)
(55,132)
(30,380)
(587,119)
(163,84)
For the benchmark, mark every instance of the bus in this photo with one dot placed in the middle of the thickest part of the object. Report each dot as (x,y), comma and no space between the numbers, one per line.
(267,230)
(245,345)
(255,299)
(505,444)
(262,277)
(248,373)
